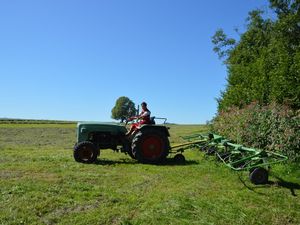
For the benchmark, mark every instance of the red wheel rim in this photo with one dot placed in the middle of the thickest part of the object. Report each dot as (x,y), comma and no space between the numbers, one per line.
(152,147)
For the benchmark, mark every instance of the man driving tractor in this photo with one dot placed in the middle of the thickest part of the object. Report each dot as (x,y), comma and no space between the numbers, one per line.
(143,117)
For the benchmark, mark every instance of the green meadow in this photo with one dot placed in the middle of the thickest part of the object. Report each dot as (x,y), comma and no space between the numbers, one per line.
(40,183)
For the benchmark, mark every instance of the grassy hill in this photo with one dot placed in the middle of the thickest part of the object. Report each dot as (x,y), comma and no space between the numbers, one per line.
(40,183)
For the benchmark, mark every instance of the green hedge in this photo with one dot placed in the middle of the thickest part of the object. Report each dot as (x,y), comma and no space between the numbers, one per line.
(273,127)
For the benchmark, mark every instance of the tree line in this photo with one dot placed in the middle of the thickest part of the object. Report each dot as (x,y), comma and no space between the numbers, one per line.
(264,64)
(260,104)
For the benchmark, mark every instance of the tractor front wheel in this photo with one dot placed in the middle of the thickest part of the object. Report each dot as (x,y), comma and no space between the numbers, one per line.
(85,152)
(150,146)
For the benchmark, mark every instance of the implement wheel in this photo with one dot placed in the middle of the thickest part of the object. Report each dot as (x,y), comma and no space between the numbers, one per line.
(85,152)
(150,146)
(179,158)
(259,176)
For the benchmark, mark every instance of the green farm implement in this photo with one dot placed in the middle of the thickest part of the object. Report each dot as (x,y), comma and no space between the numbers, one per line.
(235,156)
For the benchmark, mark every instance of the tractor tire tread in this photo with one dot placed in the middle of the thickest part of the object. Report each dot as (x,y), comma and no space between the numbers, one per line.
(77,148)
(137,140)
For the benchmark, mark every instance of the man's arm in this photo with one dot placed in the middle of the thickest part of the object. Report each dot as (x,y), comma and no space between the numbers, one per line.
(144,114)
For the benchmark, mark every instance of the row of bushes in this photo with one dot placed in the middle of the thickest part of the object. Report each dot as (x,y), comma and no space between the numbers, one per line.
(273,127)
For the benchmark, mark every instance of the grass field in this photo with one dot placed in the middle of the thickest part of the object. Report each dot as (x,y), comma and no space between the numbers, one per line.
(40,183)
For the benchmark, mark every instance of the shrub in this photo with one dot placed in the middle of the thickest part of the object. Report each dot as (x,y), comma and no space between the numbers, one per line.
(273,127)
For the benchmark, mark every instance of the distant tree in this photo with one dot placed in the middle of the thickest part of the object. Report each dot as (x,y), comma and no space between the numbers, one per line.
(123,109)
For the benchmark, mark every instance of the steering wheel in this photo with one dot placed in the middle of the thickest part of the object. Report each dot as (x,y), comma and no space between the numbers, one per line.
(126,121)
(130,119)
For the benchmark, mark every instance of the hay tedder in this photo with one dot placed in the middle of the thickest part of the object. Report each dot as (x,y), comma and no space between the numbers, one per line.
(236,157)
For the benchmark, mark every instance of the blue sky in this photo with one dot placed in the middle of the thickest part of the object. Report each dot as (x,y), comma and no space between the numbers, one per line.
(72,59)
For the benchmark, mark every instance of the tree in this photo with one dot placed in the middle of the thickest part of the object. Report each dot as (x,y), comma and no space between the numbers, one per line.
(223,44)
(124,108)
(263,66)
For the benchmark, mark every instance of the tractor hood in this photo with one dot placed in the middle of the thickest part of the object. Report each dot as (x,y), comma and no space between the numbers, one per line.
(84,128)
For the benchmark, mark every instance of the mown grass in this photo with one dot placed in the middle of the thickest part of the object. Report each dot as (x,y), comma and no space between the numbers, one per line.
(40,183)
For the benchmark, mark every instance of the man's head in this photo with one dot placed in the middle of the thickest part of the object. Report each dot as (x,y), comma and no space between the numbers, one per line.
(144,105)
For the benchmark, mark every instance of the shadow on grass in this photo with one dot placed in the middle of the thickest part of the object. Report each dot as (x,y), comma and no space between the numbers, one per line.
(108,162)
(251,188)
(167,162)
(285,184)
(173,162)
(279,182)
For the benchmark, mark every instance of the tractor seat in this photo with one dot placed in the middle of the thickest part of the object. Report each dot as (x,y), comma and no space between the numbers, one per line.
(152,120)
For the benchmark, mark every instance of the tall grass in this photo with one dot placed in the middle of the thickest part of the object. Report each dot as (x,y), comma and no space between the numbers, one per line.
(274,127)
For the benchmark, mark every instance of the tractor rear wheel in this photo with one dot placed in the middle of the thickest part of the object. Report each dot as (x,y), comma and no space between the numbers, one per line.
(150,146)
(85,152)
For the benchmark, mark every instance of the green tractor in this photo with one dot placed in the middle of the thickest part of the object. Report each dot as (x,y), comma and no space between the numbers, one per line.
(148,144)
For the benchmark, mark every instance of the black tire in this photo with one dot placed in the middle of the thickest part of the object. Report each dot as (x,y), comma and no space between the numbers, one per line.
(150,146)
(259,176)
(179,158)
(203,148)
(85,152)
(211,150)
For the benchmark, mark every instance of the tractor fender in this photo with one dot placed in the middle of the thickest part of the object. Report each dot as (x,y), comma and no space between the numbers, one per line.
(162,129)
